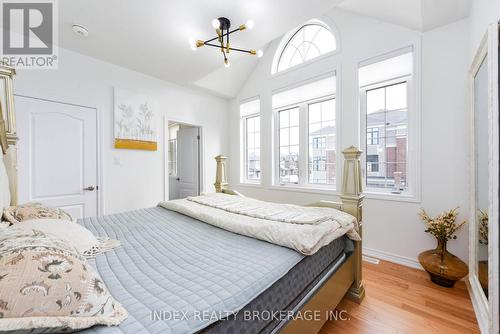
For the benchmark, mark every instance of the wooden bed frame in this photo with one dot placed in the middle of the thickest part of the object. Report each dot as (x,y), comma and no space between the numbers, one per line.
(347,281)
(8,128)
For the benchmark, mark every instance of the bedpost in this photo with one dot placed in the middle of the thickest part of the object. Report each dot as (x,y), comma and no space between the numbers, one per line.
(9,129)
(220,175)
(352,200)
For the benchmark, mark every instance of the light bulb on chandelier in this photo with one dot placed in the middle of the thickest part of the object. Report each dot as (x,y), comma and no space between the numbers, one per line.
(249,24)
(216,23)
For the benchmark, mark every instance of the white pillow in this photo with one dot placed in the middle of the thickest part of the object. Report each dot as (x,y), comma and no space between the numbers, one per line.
(75,234)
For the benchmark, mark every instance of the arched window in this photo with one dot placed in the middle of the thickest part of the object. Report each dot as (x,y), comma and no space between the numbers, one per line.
(308,42)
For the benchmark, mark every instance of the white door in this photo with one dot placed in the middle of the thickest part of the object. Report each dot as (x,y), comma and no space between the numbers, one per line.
(188,170)
(57,155)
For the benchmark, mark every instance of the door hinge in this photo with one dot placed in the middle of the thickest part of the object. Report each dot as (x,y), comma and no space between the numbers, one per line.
(198,137)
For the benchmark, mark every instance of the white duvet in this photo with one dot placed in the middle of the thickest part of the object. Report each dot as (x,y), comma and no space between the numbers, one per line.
(305,229)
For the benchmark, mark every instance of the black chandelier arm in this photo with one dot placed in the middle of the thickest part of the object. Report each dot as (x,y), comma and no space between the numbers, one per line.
(222,35)
(232,49)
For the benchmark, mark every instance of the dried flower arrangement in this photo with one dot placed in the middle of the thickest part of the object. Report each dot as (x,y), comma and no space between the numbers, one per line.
(483,227)
(444,226)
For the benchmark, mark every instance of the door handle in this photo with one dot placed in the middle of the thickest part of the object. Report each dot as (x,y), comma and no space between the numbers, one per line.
(90,188)
(178,179)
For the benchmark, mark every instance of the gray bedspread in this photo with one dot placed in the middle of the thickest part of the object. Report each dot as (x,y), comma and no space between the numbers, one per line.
(172,266)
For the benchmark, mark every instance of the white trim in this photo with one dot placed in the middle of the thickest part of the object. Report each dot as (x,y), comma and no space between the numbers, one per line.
(402,260)
(391,197)
(100,164)
(494,234)
(290,34)
(479,300)
(486,309)
(372,260)
(387,55)
(304,189)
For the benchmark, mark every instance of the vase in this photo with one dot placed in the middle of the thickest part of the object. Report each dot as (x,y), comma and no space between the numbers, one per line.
(443,267)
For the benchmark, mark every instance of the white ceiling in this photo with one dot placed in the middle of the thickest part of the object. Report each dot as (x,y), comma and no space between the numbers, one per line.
(151,36)
(420,15)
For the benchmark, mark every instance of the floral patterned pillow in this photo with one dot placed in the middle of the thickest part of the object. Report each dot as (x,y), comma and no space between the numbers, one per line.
(45,285)
(19,213)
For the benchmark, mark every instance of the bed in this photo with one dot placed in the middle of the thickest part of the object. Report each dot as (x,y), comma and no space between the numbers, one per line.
(170,263)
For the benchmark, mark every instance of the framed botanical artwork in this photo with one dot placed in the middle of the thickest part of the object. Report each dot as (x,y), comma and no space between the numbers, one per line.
(135,120)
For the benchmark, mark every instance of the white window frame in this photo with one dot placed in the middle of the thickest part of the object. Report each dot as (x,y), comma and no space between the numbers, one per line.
(172,159)
(303,183)
(289,35)
(244,147)
(413,192)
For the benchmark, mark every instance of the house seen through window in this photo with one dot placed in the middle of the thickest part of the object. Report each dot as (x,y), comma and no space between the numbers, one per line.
(384,92)
(306,135)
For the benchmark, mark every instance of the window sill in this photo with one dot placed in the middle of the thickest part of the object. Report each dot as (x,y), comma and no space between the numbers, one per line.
(392,197)
(311,190)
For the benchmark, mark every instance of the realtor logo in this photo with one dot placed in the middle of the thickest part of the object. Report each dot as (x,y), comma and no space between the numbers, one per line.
(29,34)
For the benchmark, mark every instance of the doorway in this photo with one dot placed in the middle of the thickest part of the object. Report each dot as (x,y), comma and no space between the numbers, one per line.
(184,160)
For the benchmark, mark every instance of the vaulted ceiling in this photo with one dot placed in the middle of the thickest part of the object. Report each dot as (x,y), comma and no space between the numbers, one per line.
(151,36)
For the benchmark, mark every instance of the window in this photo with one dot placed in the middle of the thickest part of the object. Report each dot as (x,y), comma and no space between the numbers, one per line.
(319,142)
(372,136)
(172,149)
(322,143)
(250,141)
(252,159)
(172,154)
(386,108)
(289,145)
(305,132)
(384,92)
(310,41)
(372,163)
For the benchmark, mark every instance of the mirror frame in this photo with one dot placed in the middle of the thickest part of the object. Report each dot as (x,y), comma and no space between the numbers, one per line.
(486,309)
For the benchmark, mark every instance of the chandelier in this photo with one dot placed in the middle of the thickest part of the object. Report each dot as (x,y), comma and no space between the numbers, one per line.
(222,27)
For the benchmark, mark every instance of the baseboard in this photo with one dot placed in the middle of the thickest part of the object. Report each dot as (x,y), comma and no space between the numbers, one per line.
(405,261)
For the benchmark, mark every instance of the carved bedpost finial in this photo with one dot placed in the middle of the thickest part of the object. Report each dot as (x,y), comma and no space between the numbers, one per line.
(220,175)
(352,200)
(351,183)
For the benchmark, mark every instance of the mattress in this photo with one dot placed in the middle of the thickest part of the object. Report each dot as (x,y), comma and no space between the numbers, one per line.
(175,274)
(289,293)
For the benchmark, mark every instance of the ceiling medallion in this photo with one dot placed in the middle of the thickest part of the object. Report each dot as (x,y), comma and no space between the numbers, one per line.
(222,27)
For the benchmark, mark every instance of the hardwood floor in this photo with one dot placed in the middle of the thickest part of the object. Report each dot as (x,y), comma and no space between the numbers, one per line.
(404,300)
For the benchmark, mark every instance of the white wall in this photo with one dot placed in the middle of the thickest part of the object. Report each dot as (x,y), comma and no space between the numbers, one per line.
(391,228)
(138,181)
(482,14)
